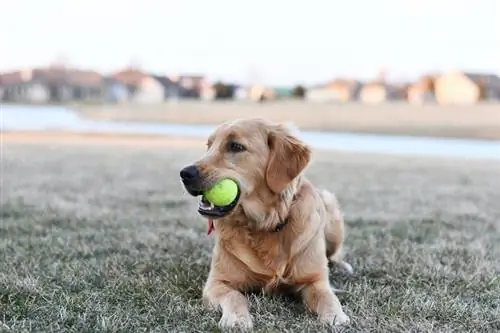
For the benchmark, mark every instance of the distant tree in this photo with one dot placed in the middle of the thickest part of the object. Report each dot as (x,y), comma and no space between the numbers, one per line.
(299,92)
(221,90)
(428,82)
(482,84)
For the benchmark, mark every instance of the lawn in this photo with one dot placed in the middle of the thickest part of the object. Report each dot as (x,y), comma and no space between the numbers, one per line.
(104,239)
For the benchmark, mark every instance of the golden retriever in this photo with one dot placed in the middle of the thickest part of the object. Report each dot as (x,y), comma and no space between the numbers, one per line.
(280,231)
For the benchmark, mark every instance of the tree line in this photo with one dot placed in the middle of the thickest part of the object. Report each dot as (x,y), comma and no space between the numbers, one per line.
(224,91)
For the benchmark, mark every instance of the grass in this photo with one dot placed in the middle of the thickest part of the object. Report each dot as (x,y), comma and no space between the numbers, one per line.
(100,239)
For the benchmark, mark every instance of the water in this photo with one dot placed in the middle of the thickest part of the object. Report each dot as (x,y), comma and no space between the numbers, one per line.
(59,118)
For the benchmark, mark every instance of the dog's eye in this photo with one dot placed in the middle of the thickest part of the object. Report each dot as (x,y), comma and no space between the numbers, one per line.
(235,147)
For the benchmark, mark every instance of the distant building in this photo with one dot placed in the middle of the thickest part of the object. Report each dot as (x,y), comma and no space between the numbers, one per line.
(466,88)
(116,92)
(422,91)
(208,91)
(379,92)
(241,93)
(260,93)
(25,87)
(149,90)
(142,87)
(52,84)
(171,89)
(339,90)
(191,86)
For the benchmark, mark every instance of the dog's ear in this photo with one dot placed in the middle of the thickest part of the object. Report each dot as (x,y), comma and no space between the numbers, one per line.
(288,156)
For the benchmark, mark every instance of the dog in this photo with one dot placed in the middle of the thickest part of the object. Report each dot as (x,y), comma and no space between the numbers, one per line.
(280,231)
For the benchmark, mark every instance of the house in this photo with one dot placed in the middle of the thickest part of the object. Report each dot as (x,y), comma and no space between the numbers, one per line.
(260,93)
(340,90)
(466,88)
(23,87)
(241,93)
(116,92)
(171,89)
(130,78)
(85,85)
(52,84)
(319,93)
(378,92)
(149,90)
(142,87)
(191,86)
(209,93)
(421,91)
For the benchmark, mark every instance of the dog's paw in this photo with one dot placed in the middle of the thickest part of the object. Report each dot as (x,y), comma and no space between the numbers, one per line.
(335,319)
(236,320)
(341,319)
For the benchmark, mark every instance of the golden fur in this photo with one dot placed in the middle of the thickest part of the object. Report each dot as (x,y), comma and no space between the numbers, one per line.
(249,253)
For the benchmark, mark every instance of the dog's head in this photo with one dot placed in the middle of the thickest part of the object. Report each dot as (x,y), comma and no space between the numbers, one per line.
(262,157)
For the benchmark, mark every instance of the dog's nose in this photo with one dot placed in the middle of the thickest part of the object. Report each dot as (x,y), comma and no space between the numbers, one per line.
(190,173)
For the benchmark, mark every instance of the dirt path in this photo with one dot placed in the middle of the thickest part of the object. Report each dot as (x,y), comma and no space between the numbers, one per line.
(69,138)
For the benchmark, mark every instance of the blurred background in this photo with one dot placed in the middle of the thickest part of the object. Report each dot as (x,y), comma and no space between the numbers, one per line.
(427,68)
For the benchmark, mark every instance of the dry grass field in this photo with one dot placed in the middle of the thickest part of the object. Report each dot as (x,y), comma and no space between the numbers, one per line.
(102,238)
(481,121)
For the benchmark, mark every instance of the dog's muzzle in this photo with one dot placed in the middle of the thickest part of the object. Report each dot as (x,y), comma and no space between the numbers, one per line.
(191,179)
(194,184)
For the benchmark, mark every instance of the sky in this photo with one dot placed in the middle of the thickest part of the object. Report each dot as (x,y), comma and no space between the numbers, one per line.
(268,41)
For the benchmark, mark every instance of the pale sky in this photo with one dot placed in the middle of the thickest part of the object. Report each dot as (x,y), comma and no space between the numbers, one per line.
(273,41)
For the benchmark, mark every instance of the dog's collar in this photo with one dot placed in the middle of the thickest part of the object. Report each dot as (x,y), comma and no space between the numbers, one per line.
(281,225)
(278,228)
(283,222)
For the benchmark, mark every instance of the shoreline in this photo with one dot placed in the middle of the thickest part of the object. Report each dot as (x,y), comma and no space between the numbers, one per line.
(480,122)
(152,141)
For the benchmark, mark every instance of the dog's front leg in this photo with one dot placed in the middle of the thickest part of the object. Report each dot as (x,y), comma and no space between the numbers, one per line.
(234,305)
(319,298)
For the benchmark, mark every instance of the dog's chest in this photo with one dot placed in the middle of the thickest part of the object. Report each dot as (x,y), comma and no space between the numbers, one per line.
(271,255)
(269,260)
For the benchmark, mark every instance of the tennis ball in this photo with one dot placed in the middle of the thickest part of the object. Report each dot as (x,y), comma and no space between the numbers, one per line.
(222,193)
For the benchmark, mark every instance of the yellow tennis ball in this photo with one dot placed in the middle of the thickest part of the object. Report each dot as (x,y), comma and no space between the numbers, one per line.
(222,193)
